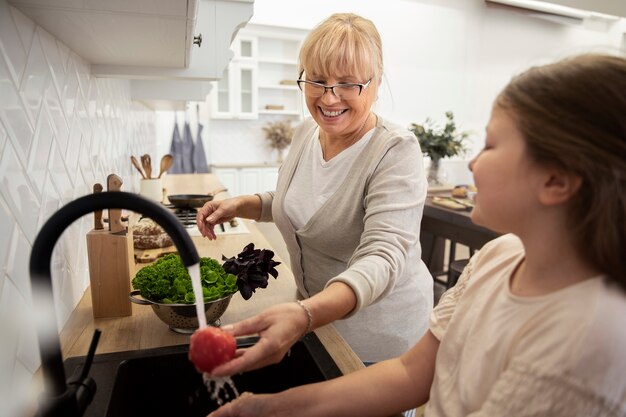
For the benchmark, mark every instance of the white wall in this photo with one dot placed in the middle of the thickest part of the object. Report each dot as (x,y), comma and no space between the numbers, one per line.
(439,55)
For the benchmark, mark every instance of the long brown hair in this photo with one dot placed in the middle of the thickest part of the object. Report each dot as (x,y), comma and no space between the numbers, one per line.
(572,115)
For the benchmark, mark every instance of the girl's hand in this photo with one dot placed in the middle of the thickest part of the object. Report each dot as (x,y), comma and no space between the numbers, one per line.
(278,327)
(215,212)
(247,405)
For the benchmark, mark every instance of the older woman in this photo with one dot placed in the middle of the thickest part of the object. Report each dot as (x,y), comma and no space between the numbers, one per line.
(348,203)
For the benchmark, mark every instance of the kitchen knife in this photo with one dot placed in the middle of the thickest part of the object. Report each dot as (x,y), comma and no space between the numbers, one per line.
(114,183)
(97,219)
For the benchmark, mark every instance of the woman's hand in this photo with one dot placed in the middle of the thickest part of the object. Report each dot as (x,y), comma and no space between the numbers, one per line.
(215,212)
(220,211)
(278,327)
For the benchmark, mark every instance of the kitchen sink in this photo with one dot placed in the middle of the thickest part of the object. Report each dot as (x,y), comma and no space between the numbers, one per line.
(163,382)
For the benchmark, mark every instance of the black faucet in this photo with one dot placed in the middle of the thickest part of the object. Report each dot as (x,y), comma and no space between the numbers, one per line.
(71,398)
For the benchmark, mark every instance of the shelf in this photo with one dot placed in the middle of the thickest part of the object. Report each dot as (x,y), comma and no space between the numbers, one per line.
(273,53)
(279,87)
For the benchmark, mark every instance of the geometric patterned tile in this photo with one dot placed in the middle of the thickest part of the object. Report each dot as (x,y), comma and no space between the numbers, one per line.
(64,54)
(17,192)
(40,152)
(50,202)
(7,227)
(57,116)
(3,137)
(18,265)
(10,44)
(56,62)
(69,92)
(36,78)
(10,327)
(82,71)
(73,145)
(59,174)
(25,27)
(13,114)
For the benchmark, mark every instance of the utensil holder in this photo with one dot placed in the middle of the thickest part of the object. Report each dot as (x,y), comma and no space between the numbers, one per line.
(151,188)
(111,266)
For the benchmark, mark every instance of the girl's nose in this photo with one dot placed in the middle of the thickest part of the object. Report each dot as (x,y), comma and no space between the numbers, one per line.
(471,163)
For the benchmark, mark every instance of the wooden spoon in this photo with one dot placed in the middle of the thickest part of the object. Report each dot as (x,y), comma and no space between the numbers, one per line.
(147,165)
(136,165)
(166,163)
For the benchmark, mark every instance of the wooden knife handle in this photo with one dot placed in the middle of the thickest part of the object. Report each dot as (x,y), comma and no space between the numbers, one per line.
(114,183)
(97,219)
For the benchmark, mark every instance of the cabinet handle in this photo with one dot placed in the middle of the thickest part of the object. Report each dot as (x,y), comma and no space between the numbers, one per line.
(197,40)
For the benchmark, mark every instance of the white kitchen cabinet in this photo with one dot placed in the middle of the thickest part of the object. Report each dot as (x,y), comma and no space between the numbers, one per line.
(247,179)
(229,177)
(269,56)
(145,39)
(235,95)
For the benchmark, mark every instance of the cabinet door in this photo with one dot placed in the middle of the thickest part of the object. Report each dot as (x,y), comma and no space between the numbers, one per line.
(245,48)
(222,96)
(247,92)
(229,177)
(235,95)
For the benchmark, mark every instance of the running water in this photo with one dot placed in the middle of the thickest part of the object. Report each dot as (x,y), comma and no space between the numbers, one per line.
(194,273)
(217,387)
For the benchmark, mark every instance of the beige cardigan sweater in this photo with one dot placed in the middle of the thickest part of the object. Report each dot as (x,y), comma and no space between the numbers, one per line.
(367,236)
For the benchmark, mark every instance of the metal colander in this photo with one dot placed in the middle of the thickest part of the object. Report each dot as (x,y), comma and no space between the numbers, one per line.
(182,318)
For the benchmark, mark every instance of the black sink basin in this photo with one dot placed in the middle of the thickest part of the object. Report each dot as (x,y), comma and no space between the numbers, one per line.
(163,382)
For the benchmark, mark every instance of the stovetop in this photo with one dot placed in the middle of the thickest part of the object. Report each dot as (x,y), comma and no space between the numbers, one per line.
(188,218)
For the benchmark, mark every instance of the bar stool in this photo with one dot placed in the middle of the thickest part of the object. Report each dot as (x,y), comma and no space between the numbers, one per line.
(455,269)
(455,266)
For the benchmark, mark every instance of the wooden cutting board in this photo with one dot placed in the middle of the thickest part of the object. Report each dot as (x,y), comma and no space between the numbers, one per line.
(144,256)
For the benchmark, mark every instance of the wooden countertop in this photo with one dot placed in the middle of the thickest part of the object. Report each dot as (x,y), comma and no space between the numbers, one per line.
(143,330)
(247,165)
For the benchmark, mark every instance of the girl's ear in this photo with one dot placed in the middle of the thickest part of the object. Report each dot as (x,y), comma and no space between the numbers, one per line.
(559,187)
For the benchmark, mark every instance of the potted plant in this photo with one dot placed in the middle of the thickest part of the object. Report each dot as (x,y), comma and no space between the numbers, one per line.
(279,135)
(438,143)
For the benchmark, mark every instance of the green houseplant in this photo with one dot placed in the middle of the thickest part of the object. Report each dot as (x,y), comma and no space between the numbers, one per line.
(438,143)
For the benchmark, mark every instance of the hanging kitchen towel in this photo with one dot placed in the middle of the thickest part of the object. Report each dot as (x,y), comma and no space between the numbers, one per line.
(199,156)
(176,150)
(187,150)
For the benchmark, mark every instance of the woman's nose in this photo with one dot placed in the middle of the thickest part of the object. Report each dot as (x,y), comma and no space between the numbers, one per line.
(329,97)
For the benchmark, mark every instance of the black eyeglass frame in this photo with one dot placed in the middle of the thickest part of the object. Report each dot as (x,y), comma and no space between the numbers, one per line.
(332,87)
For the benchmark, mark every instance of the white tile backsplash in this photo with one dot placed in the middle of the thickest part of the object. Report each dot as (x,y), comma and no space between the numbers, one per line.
(61,130)
(7,226)
(25,27)
(12,48)
(3,137)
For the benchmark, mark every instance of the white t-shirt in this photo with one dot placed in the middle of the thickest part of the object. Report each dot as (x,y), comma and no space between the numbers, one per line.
(561,354)
(307,193)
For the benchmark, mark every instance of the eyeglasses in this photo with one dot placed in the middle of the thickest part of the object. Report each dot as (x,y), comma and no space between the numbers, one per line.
(343,91)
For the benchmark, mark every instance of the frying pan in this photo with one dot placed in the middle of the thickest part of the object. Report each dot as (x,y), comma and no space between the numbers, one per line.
(186,201)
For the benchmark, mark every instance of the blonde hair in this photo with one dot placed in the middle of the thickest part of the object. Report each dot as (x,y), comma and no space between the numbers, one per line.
(572,116)
(345,43)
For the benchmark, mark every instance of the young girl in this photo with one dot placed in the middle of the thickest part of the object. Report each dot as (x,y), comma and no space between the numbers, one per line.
(536,325)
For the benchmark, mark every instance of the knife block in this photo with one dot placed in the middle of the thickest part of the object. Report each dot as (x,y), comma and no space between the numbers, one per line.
(111,265)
